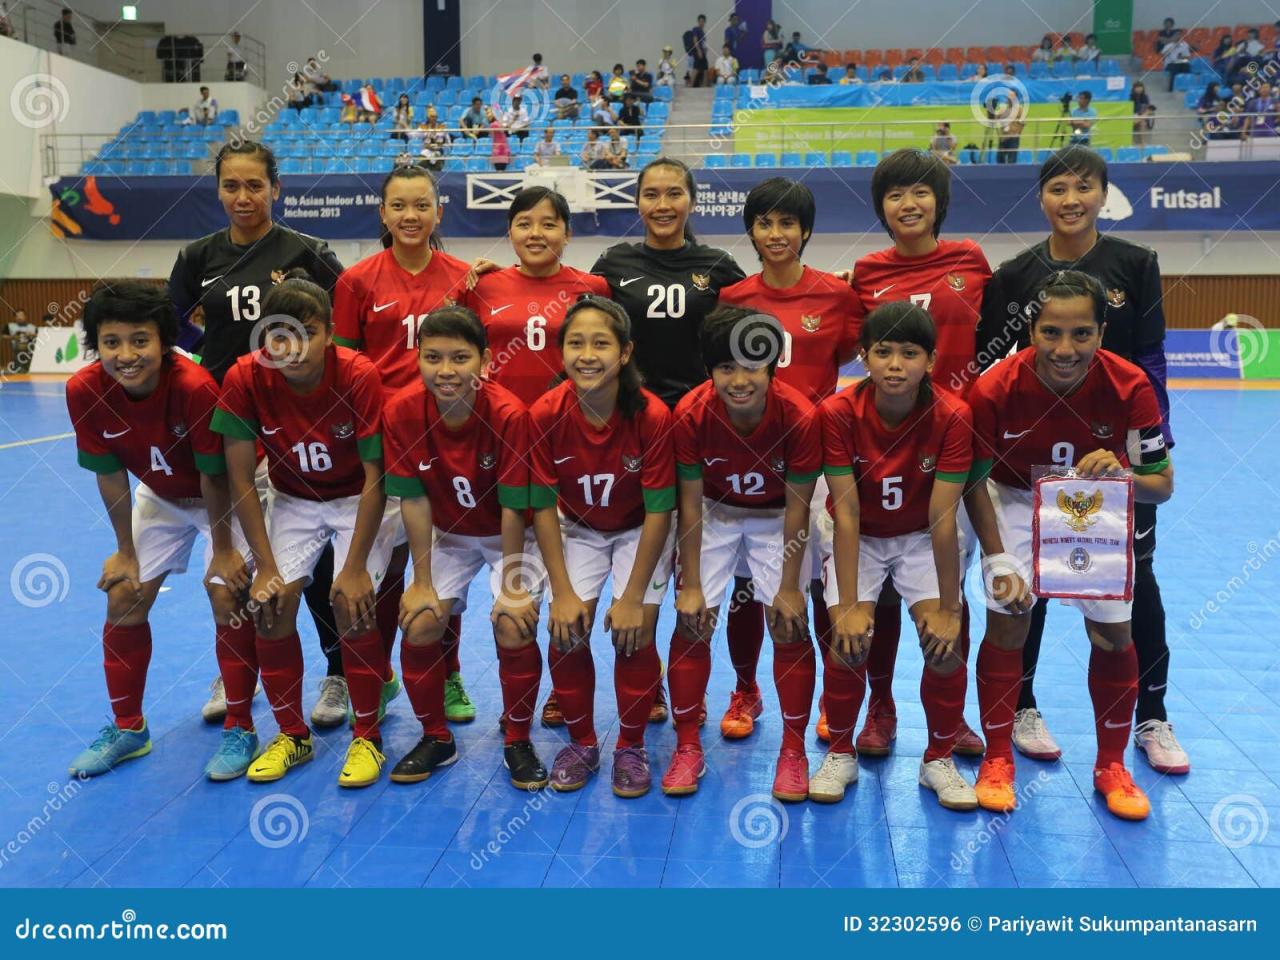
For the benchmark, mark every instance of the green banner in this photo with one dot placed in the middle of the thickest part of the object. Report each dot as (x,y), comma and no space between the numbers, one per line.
(822,130)
(1113,26)
(1259,352)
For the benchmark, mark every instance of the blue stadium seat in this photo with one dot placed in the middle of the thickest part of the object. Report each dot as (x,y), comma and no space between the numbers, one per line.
(229,118)
(519,164)
(750,75)
(1039,70)
(434,83)
(136,168)
(367,165)
(477,164)
(454,166)
(814,159)
(454,83)
(369,148)
(1110,68)
(1188,81)
(478,80)
(663,94)
(867,158)
(1063,70)
(147,118)
(841,158)
(948,71)
(740,160)
(790,160)
(1025,156)
(968,70)
(1105,153)
(180,168)
(1154,150)
(393,148)
(967,157)
(294,165)
(461,147)
(1042,155)
(765,160)
(1192,99)
(650,147)
(1128,155)
(715,161)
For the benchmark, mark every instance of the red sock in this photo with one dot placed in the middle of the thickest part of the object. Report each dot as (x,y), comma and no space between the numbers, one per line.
(449,644)
(883,656)
(364,663)
(238,664)
(635,681)
(687,675)
(1113,687)
(795,674)
(519,672)
(573,677)
(422,668)
(281,664)
(943,699)
(746,637)
(999,676)
(387,612)
(126,654)
(843,688)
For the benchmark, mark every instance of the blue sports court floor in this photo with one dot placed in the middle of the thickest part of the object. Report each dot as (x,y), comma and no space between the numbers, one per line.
(156,822)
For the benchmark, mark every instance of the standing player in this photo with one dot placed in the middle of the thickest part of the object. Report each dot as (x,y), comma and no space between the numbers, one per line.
(144,409)
(748,450)
(226,275)
(911,190)
(601,457)
(897,455)
(1065,401)
(1073,189)
(317,411)
(817,311)
(457,457)
(377,307)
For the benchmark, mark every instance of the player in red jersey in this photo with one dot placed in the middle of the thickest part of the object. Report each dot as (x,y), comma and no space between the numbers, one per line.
(818,311)
(911,191)
(378,305)
(317,411)
(457,457)
(601,452)
(897,455)
(143,409)
(1063,401)
(748,451)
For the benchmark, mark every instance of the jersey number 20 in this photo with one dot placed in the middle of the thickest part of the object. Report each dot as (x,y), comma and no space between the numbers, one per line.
(667,302)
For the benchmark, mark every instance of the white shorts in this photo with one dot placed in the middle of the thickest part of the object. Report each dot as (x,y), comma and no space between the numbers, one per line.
(164,533)
(906,561)
(299,529)
(591,556)
(811,569)
(738,539)
(1013,517)
(456,559)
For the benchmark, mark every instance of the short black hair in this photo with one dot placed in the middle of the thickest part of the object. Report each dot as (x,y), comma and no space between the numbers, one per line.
(784,196)
(530,197)
(537,58)
(299,297)
(741,334)
(1067,285)
(477,99)
(899,321)
(906,168)
(457,322)
(129,301)
(252,149)
(642,62)
(1074,159)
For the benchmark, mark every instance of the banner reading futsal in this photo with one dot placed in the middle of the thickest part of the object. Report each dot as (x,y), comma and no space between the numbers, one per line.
(1082,537)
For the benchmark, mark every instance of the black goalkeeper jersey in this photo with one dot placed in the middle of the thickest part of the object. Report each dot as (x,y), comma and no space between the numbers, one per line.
(230,282)
(667,294)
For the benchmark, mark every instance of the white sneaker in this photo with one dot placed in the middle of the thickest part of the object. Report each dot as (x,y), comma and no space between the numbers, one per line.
(1032,737)
(838,770)
(215,708)
(942,777)
(331,709)
(1155,738)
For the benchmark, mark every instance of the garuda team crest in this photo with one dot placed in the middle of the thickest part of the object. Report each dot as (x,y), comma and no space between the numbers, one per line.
(1101,430)
(701,280)
(928,463)
(343,431)
(277,276)
(1116,298)
(810,322)
(1079,509)
(777,464)
(178,430)
(955,281)
(632,464)
(488,461)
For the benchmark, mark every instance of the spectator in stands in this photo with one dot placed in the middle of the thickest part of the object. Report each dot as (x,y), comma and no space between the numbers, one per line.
(1089,53)
(435,141)
(1222,54)
(667,68)
(1011,116)
(819,77)
(320,81)
(726,66)
(368,106)
(642,82)
(474,123)
(980,74)
(348,114)
(914,74)
(1176,56)
(539,77)
(6,28)
(592,150)
(235,59)
(546,148)
(206,109)
(695,45)
(299,97)
(594,85)
(1262,118)
(184,117)
(1166,35)
(795,52)
(943,144)
(1083,118)
(630,118)
(500,153)
(566,100)
(602,114)
(884,76)
(615,151)
(1225,123)
(1064,52)
(1247,57)
(23,332)
(771,42)
(1044,52)
(735,32)
(516,117)
(1144,113)
(850,75)
(1252,44)
(1208,101)
(402,118)
(20,326)
(64,31)
(618,84)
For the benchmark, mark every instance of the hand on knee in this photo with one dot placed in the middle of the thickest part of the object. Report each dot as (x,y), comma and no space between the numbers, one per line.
(126,607)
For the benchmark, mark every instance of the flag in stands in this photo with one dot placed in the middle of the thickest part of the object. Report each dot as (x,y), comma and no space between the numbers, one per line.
(513,83)
(369,100)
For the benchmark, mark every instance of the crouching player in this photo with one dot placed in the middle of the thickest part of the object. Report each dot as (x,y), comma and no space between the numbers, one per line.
(748,451)
(457,456)
(143,409)
(1061,401)
(897,454)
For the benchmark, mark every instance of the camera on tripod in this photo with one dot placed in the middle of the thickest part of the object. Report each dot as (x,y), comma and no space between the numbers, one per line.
(1065,101)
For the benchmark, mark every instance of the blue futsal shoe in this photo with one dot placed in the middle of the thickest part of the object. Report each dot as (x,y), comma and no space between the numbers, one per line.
(112,747)
(238,749)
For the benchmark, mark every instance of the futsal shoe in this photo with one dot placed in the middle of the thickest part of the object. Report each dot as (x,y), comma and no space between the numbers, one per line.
(631,775)
(942,777)
(430,754)
(236,751)
(658,712)
(573,767)
(823,729)
(878,732)
(967,742)
(334,703)
(791,779)
(1125,798)
(215,708)
(390,690)
(740,719)
(687,767)
(838,772)
(113,746)
(1165,755)
(282,754)
(1032,737)
(363,766)
(551,713)
(458,707)
(995,785)
(526,769)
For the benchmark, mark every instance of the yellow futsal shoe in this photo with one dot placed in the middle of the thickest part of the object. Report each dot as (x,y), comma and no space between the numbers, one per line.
(282,753)
(363,766)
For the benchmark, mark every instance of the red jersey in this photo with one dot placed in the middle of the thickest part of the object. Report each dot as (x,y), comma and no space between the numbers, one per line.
(949,284)
(752,470)
(822,319)
(1020,423)
(895,468)
(316,442)
(523,316)
(378,306)
(163,439)
(607,477)
(468,474)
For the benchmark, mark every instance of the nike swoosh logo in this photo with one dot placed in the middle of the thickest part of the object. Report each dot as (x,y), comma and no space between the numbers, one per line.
(680,712)
(1115,726)
(876,294)
(366,713)
(560,460)
(1015,436)
(232,703)
(997,726)
(1156,689)
(946,736)
(118,699)
(268,431)
(657,585)
(205,283)
(379,307)
(427,465)
(112,436)
(497,310)
(798,716)
(567,721)
(1139,536)
(714,460)
(623,283)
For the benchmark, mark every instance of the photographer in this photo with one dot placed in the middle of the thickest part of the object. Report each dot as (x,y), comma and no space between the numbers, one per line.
(943,144)
(1010,115)
(1082,117)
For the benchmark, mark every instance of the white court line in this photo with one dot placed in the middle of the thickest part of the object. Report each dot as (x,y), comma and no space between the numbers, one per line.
(27,443)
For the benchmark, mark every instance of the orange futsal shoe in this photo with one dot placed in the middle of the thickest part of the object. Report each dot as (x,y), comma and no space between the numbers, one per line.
(823,729)
(551,714)
(995,786)
(740,719)
(1125,798)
